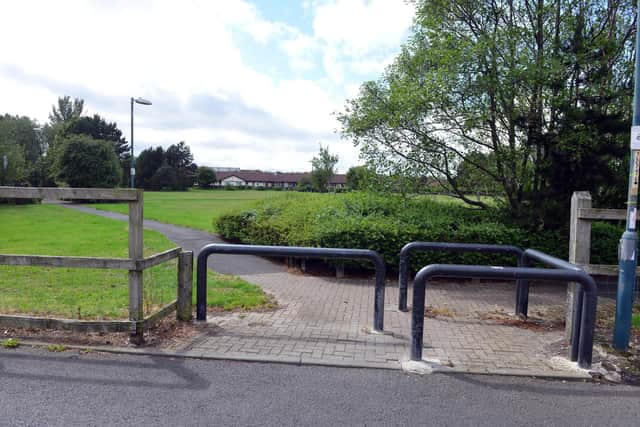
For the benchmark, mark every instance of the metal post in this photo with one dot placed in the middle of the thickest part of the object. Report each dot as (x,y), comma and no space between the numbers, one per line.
(522,290)
(628,248)
(133,162)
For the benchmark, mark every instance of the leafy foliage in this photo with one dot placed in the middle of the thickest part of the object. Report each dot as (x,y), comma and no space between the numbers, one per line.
(87,162)
(322,169)
(382,223)
(171,169)
(66,110)
(205,177)
(543,88)
(358,178)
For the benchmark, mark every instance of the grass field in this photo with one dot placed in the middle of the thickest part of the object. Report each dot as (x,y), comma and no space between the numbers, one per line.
(200,209)
(195,208)
(91,293)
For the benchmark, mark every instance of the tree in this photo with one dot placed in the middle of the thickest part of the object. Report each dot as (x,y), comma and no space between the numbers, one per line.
(322,169)
(544,87)
(66,111)
(472,180)
(305,184)
(205,177)
(165,179)
(87,162)
(180,158)
(358,178)
(147,163)
(98,128)
(21,143)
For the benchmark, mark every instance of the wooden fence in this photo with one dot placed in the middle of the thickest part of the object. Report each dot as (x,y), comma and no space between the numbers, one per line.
(582,214)
(136,264)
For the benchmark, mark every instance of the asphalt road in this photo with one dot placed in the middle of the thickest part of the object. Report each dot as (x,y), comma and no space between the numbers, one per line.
(39,388)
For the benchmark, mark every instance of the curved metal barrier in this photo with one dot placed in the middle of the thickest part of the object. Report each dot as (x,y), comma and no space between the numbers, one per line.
(584,341)
(551,261)
(522,286)
(291,251)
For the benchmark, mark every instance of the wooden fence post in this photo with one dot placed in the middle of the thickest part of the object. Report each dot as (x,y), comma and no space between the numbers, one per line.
(579,249)
(185,286)
(136,312)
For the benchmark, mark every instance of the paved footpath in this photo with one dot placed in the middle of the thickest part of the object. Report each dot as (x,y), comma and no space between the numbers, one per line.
(323,320)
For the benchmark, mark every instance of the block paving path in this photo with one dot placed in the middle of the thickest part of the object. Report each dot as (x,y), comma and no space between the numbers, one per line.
(328,321)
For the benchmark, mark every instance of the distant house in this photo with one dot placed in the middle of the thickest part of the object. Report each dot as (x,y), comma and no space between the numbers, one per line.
(255,178)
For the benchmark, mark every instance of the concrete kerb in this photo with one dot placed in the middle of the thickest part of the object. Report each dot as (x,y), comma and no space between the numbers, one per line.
(425,367)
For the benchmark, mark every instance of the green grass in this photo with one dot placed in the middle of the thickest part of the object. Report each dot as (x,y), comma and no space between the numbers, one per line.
(200,209)
(635,321)
(91,293)
(195,208)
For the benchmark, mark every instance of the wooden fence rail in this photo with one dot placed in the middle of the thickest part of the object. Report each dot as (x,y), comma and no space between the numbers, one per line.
(136,263)
(582,214)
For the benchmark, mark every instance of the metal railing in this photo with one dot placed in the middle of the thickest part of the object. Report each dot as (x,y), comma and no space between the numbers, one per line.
(582,342)
(522,286)
(291,251)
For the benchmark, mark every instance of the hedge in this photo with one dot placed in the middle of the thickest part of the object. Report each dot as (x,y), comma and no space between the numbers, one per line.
(386,223)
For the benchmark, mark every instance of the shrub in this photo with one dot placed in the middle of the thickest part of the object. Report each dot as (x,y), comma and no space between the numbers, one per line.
(380,223)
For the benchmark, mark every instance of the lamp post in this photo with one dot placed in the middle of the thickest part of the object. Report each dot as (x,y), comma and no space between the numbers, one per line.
(141,101)
(628,248)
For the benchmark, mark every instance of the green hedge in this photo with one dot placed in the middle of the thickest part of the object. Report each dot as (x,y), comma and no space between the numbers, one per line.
(386,223)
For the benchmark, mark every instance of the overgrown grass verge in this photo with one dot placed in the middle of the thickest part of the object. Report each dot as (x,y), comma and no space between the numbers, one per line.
(90,294)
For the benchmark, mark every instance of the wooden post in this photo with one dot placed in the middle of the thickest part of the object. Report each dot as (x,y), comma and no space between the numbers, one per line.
(185,286)
(136,313)
(579,248)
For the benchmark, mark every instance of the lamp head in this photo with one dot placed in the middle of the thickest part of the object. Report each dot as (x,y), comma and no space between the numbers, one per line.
(142,101)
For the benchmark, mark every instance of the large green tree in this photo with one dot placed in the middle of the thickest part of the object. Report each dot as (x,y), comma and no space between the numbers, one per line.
(22,144)
(170,169)
(87,162)
(99,128)
(541,86)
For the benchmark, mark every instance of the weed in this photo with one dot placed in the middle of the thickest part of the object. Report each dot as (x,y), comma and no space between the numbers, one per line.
(10,343)
(56,348)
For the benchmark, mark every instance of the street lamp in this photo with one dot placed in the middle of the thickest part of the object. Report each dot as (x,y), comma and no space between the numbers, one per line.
(141,101)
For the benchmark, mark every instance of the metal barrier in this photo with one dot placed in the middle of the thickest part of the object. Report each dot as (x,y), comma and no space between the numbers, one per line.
(588,315)
(551,261)
(291,251)
(522,286)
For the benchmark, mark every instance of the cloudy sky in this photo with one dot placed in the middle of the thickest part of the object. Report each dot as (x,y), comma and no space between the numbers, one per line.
(246,83)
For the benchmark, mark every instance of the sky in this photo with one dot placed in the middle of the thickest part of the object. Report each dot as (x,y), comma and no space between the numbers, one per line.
(249,84)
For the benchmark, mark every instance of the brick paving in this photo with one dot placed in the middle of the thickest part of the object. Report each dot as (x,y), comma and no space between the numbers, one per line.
(328,320)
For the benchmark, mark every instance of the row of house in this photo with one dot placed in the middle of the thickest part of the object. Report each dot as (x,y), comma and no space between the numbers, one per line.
(256,178)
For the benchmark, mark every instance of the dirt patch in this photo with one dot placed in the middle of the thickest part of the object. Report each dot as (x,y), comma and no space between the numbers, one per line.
(612,365)
(167,334)
(532,323)
(433,312)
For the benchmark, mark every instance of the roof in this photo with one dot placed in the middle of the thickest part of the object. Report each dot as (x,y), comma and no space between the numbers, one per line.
(288,177)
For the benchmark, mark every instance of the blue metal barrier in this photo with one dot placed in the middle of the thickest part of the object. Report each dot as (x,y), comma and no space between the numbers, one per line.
(522,286)
(584,337)
(291,251)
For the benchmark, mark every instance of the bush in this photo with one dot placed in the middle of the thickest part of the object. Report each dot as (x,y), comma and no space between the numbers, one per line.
(381,223)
